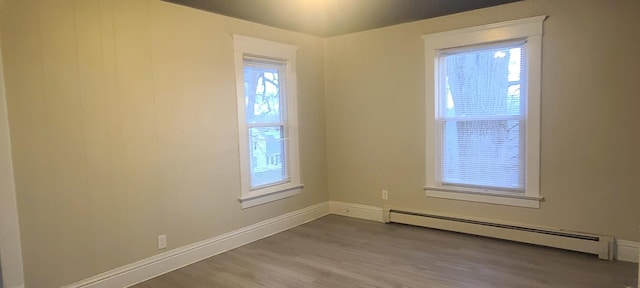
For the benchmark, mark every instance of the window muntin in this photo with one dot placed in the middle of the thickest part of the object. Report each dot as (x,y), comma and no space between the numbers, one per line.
(482,116)
(265,98)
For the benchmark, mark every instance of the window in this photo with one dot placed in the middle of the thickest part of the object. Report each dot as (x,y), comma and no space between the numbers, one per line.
(267,120)
(483,107)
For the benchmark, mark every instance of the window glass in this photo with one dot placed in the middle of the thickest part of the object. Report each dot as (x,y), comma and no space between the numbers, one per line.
(264,98)
(262,93)
(267,149)
(482,117)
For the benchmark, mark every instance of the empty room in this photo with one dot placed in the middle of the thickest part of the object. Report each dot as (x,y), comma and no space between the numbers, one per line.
(319,143)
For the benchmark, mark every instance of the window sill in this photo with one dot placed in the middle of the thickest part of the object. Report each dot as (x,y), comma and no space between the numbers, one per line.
(500,198)
(270,194)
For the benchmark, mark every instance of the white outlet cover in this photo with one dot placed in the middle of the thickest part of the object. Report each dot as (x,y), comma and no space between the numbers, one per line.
(162,241)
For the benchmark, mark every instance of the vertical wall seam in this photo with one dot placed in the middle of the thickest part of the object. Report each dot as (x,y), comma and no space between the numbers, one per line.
(155,114)
(83,122)
(117,93)
(43,95)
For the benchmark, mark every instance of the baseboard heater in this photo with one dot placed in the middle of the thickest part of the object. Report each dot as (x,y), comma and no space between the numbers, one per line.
(587,243)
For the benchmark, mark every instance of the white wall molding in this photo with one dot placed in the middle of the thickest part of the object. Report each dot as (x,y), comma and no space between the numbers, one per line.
(171,260)
(10,247)
(627,251)
(356,210)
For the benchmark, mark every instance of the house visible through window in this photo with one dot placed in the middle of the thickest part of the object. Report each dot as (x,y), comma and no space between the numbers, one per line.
(267,120)
(483,113)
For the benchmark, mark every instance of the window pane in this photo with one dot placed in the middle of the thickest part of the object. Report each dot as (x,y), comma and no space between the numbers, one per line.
(267,151)
(263,96)
(486,153)
(482,82)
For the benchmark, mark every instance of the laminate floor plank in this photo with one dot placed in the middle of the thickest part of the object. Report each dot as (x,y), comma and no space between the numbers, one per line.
(336,252)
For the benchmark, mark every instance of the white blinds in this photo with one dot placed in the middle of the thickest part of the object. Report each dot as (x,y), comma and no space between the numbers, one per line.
(482,116)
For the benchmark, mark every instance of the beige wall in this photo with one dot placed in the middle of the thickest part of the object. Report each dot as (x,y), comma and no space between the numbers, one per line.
(123,122)
(11,274)
(123,125)
(590,165)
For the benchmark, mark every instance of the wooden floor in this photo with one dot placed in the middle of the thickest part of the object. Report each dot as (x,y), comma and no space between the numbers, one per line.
(336,251)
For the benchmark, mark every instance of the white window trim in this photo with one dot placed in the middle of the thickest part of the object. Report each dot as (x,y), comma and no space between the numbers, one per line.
(530,29)
(248,46)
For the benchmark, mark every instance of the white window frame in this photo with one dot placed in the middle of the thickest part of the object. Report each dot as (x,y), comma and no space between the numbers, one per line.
(268,50)
(528,29)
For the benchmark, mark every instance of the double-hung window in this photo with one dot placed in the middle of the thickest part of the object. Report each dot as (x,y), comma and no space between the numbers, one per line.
(483,106)
(267,120)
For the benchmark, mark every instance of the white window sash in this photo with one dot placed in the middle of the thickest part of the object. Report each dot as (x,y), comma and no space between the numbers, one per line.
(479,118)
(267,124)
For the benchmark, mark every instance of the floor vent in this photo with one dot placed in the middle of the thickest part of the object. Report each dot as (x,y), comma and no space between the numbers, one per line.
(581,242)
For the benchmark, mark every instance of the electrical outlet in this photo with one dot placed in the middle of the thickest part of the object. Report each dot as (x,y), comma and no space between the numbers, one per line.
(385,194)
(162,242)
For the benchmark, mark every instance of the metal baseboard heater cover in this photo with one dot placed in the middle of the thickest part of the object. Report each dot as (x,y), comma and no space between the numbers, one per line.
(581,242)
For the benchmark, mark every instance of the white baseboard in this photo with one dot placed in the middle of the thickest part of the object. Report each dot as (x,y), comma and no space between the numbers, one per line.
(171,260)
(627,250)
(356,210)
